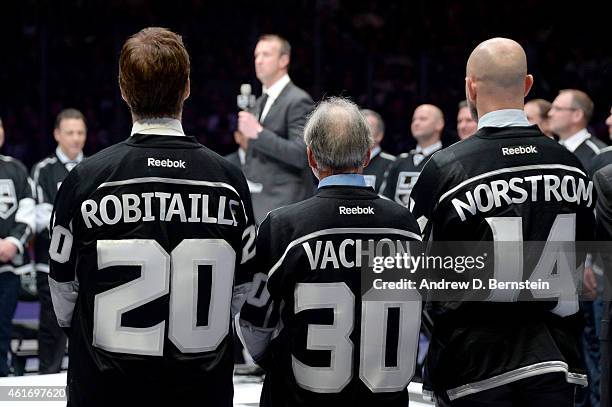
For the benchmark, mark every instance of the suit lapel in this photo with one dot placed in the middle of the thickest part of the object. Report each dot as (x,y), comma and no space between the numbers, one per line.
(277,102)
(258,107)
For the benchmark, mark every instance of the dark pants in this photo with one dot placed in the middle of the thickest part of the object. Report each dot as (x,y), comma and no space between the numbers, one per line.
(547,390)
(51,338)
(9,292)
(592,312)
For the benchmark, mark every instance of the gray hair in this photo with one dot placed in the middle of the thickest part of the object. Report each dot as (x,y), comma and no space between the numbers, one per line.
(338,134)
(380,124)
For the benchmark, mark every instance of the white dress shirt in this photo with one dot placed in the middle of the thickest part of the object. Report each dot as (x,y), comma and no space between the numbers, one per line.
(421,153)
(68,163)
(273,92)
(573,142)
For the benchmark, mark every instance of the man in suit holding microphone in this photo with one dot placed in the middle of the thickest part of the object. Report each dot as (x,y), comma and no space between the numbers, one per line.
(273,132)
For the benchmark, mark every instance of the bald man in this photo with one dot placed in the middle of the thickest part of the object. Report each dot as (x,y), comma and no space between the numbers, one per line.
(507,183)
(426,127)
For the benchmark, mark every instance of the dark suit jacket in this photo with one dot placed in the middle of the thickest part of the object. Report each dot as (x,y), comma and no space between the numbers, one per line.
(588,150)
(277,160)
(376,170)
(603,184)
(600,160)
(234,158)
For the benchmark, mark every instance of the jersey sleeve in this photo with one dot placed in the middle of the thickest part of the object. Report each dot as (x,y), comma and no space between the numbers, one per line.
(44,205)
(24,224)
(246,265)
(387,188)
(424,196)
(62,274)
(259,315)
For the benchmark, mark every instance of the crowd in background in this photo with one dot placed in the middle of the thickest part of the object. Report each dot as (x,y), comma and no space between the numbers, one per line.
(388,56)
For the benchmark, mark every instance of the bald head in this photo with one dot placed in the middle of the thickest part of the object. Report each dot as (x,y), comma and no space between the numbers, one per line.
(498,62)
(427,124)
(431,110)
(496,72)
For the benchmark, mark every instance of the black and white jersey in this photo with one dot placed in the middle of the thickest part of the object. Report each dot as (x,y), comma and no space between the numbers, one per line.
(374,173)
(329,345)
(587,150)
(508,184)
(151,238)
(402,175)
(603,158)
(47,175)
(17,216)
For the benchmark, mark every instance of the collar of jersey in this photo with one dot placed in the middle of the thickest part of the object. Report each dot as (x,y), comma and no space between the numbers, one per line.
(503,132)
(160,140)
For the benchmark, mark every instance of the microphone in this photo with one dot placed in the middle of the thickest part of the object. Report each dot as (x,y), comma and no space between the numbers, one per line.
(246,99)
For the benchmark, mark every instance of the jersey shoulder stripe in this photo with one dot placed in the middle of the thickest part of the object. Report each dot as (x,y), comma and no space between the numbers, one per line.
(508,170)
(340,231)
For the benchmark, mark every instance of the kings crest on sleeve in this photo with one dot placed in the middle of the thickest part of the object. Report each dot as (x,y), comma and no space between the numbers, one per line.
(8,198)
(173,207)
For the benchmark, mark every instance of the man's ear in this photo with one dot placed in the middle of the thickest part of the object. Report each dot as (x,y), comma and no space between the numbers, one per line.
(528,83)
(284,61)
(470,89)
(578,116)
(187,89)
(312,162)
(366,157)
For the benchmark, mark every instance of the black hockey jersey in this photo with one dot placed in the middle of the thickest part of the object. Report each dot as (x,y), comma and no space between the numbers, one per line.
(375,172)
(510,184)
(603,158)
(402,175)
(47,176)
(17,216)
(150,238)
(330,346)
(588,150)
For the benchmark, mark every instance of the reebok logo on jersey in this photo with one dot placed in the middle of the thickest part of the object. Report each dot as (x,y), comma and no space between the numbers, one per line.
(168,163)
(519,150)
(356,210)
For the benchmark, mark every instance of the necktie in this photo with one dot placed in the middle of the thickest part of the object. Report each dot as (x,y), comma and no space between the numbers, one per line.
(264,100)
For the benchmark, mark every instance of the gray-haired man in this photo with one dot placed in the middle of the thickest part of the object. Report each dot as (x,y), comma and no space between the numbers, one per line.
(309,256)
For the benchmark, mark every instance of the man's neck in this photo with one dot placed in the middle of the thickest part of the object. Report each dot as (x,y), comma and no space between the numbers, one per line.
(429,142)
(569,132)
(71,157)
(178,117)
(484,107)
(268,84)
